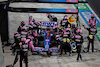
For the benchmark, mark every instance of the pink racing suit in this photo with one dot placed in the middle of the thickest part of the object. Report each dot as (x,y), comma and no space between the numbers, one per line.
(92,21)
(29,41)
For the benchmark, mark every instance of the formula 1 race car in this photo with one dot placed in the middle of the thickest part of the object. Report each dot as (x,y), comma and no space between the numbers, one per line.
(47,42)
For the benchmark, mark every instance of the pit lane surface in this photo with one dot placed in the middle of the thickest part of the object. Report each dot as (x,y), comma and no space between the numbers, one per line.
(89,59)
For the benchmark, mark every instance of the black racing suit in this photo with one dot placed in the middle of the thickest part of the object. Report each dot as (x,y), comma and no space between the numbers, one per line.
(52,18)
(91,41)
(66,45)
(65,23)
(79,40)
(74,31)
(19,29)
(92,31)
(15,44)
(24,47)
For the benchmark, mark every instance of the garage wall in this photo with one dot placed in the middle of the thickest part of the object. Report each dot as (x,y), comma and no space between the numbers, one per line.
(16,18)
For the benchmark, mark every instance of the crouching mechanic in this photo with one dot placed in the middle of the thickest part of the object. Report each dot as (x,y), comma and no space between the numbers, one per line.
(78,38)
(66,41)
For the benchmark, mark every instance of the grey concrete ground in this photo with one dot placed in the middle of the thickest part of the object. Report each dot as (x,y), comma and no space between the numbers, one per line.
(3,0)
(1,55)
(89,59)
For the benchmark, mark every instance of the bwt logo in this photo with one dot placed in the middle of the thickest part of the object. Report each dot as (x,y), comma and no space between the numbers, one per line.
(49,23)
(73,0)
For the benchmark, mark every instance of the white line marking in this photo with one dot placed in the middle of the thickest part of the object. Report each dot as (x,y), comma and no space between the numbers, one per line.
(81,17)
(93,12)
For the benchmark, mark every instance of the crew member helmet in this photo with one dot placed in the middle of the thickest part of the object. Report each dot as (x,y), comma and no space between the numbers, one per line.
(93,15)
(79,31)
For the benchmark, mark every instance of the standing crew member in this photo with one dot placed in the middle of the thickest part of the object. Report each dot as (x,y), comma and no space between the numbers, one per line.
(64,22)
(66,41)
(92,21)
(78,38)
(91,37)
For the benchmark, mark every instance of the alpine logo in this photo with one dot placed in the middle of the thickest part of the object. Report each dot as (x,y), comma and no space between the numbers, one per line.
(48,23)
